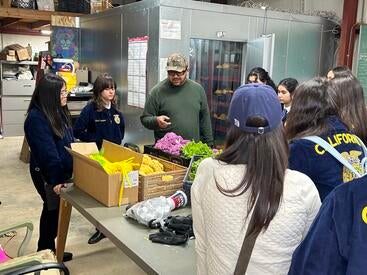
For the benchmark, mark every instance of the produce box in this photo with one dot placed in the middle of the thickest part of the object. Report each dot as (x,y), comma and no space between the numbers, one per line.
(187,182)
(149,149)
(92,178)
(162,184)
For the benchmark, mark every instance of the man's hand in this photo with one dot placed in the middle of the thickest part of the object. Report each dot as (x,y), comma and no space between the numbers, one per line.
(163,121)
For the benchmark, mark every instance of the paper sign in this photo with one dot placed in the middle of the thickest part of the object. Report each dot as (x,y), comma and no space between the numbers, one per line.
(134,179)
(170,29)
(136,71)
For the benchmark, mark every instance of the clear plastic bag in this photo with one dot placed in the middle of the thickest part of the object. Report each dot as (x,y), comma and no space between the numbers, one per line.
(150,212)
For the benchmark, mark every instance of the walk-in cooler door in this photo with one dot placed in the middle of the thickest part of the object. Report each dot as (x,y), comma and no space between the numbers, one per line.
(260,53)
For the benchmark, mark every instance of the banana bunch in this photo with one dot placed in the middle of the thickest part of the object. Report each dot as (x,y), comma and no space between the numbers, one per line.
(150,166)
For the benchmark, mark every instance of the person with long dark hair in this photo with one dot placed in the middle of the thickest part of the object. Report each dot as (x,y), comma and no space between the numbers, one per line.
(315,113)
(260,75)
(48,130)
(286,88)
(348,95)
(339,71)
(101,120)
(250,181)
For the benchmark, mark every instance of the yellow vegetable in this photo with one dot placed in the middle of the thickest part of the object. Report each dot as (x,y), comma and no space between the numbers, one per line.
(123,167)
(150,166)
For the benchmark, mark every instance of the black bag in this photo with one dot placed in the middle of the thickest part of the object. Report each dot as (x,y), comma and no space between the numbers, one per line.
(176,231)
(168,237)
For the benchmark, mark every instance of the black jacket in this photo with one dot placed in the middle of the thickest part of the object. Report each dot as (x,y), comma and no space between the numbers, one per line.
(48,150)
(94,126)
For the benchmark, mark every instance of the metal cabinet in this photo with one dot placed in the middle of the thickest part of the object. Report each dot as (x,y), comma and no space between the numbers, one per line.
(15,96)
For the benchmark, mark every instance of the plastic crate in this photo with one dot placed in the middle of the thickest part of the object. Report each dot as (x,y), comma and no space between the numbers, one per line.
(150,150)
(82,6)
(24,4)
(186,182)
(151,186)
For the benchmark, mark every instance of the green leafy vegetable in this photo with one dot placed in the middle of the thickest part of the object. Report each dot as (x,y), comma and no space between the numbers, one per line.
(196,148)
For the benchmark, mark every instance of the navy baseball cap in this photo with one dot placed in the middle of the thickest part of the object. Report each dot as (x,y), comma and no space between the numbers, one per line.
(252,100)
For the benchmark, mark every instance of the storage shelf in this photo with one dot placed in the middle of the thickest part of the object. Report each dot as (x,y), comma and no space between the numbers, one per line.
(33,15)
(33,63)
(27,21)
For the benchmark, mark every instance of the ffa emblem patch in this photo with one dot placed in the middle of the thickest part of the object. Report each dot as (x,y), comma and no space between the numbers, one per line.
(364,214)
(116,118)
(352,158)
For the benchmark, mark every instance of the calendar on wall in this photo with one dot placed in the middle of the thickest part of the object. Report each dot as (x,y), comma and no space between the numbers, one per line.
(136,71)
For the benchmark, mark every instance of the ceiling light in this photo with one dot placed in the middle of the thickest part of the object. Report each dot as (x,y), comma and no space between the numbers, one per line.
(46,32)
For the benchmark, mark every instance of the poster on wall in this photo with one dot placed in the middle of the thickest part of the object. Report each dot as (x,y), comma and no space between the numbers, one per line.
(170,29)
(65,42)
(136,71)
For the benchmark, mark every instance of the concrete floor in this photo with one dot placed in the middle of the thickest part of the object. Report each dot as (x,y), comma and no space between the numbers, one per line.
(21,202)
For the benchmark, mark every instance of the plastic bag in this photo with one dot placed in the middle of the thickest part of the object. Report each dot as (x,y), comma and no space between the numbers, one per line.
(152,212)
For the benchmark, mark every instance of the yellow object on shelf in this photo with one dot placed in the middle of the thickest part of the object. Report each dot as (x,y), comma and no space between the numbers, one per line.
(70,79)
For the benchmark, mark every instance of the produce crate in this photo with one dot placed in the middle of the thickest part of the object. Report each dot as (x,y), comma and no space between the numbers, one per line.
(151,186)
(150,150)
(186,182)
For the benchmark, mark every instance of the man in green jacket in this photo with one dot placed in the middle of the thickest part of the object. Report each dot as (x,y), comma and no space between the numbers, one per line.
(178,104)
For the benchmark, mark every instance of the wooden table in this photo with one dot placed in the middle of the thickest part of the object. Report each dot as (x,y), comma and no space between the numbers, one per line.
(126,234)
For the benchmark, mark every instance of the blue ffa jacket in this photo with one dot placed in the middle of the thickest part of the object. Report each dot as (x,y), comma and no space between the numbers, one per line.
(94,126)
(48,150)
(324,170)
(337,240)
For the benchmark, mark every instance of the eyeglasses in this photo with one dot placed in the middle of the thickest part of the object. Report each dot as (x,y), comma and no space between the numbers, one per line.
(64,93)
(173,73)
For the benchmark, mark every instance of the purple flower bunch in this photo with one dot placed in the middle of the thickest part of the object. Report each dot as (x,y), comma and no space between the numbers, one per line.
(171,143)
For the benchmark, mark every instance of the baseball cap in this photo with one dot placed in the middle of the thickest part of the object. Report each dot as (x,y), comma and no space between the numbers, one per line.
(252,100)
(176,62)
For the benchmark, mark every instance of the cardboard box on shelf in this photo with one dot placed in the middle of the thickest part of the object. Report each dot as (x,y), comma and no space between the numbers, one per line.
(82,75)
(90,177)
(99,5)
(21,52)
(11,52)
(11,58)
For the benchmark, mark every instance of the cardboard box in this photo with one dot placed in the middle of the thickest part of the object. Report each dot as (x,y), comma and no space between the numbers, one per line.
(82,75)
(92,179)
(22,52)
(11,58)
